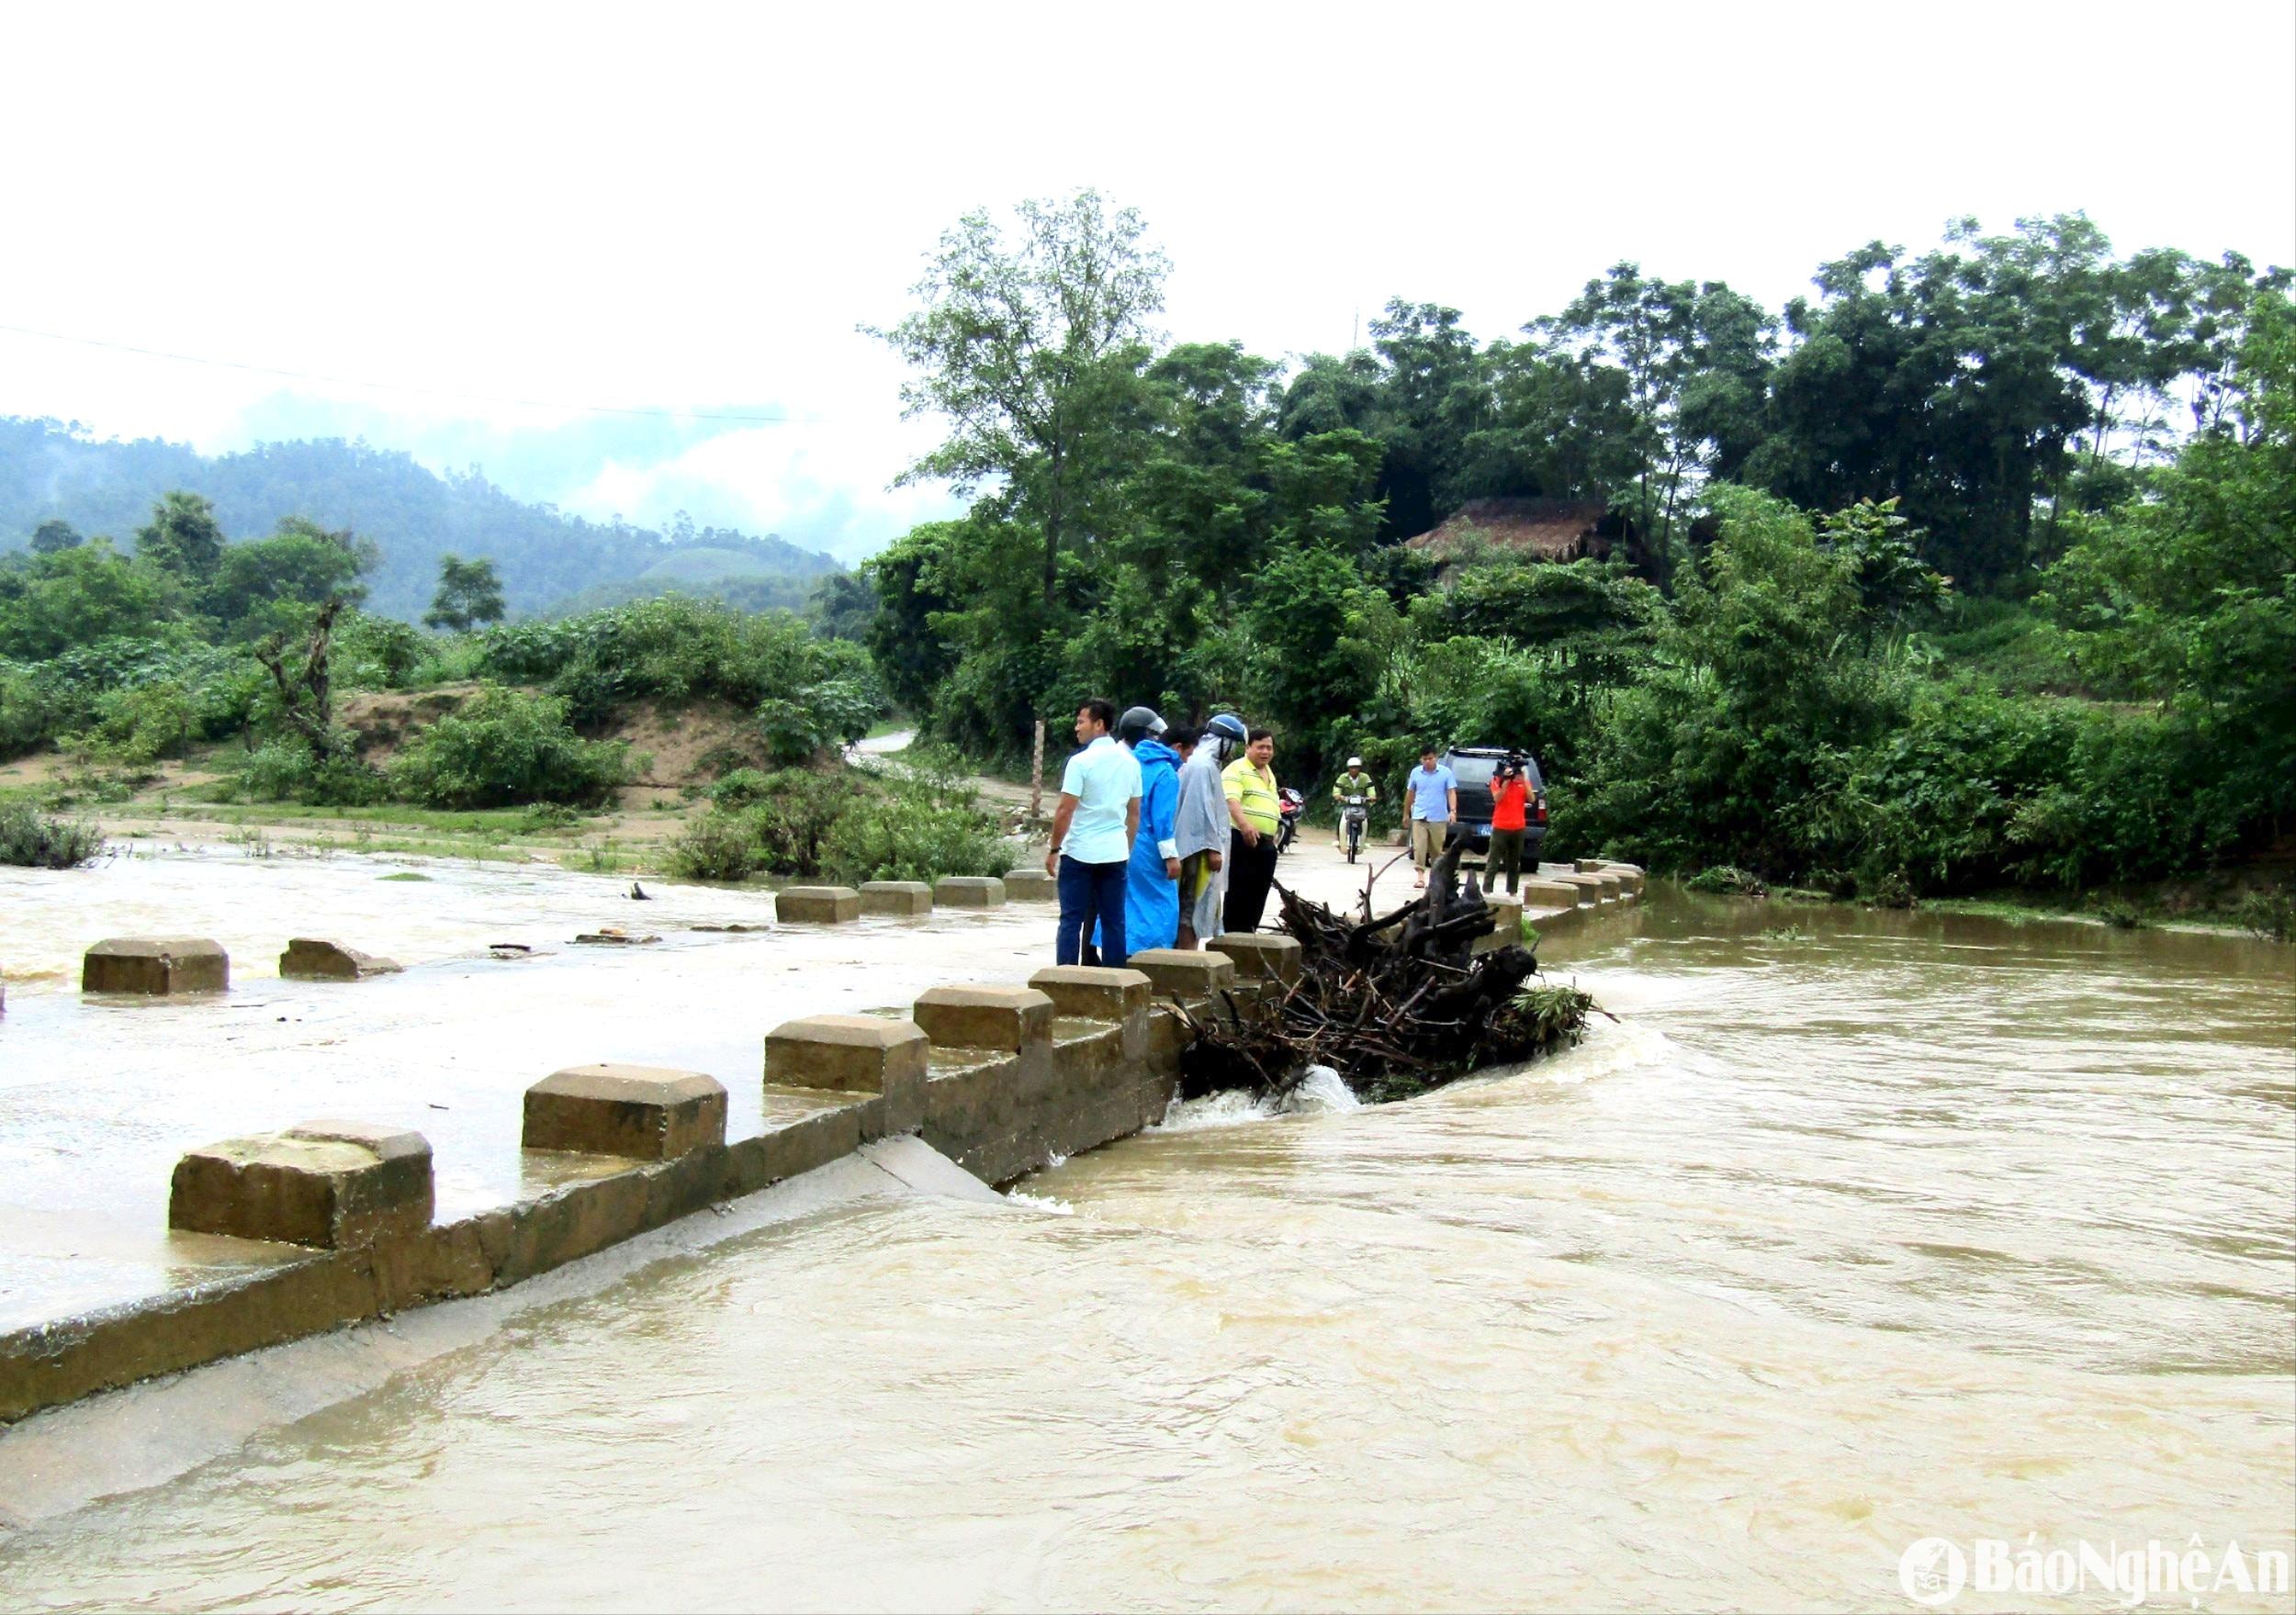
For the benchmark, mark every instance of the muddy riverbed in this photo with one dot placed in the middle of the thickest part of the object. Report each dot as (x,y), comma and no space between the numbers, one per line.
(1883,1227)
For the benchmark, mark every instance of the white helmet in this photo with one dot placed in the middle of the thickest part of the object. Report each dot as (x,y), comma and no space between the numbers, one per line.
(1355,762)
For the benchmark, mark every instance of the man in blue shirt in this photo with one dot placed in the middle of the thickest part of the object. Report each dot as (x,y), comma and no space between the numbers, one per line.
(1431,797)
(1092,837)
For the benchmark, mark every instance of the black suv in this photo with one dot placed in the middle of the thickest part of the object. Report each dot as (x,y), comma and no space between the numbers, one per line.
(1472,767)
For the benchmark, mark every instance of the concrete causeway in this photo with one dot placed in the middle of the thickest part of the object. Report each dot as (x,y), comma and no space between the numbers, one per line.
(768,1052)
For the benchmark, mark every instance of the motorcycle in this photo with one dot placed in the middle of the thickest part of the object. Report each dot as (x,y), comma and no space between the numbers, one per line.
(1288,818)
(1354,816)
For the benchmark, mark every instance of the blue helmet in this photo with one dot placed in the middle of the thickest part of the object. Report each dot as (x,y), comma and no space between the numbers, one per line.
(1229,727)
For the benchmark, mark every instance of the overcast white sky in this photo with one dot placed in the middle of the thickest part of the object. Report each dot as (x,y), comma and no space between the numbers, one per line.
(690,208)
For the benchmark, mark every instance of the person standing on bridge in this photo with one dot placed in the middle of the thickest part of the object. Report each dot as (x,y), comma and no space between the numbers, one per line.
(1254,813)
(1152,886)
(1201,829)
(1431,800)
(1092,837)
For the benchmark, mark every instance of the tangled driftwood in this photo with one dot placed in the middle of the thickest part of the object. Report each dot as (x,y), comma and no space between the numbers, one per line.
(1396,1005)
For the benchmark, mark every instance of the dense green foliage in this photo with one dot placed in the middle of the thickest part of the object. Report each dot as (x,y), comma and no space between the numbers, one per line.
(808,692)
(56,478)
(503,747)
(1975,568)
(843,823)
(124,660)
(30,839)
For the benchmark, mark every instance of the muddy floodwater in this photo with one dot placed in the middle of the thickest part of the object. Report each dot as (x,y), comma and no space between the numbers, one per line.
(1888,1228)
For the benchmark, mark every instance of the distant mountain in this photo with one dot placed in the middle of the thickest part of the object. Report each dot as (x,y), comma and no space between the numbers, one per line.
(549,561)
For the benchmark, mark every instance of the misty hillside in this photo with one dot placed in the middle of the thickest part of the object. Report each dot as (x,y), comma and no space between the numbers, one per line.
(548,559)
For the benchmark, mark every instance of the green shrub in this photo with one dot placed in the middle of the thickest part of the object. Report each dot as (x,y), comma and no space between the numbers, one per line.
(285,770)
(740,787)
(2118,913)
(719,845)
(503,748)
(906,836)
(793,812)
(141,723)
(2269,913)
(377,653)
(1891,891)
(817,718)
(679,648)
(30,840)
(1727,880)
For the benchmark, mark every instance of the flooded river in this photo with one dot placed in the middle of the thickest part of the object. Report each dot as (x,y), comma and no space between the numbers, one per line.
(1903,1226)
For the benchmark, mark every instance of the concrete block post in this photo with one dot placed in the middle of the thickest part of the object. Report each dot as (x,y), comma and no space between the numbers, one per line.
(1030,886)
(1509,933)
(854,1054)
(645,1113)
(906,898)
(1587,865)
(327,1183)
(1087,992)
(1589,889)
(1549,894)
(977,1017)
(1611,886)
(816,905)
(969,891)
(1630,878)
(1259,955)
(1173,973)
(155,967)
(308,959)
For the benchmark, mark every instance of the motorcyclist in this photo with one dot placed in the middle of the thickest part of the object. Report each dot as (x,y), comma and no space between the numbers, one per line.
(1354,782)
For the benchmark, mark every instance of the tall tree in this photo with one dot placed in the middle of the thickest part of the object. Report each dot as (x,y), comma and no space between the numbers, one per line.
(1685,364)
(52,535)
(266,583)
(469,595)
(1026,348)
(183,536)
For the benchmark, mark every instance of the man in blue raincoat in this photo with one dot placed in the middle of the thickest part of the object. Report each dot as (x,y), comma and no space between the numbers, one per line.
(1152,885)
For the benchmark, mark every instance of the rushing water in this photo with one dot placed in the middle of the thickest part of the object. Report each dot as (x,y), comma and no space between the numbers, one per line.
(1909,1227)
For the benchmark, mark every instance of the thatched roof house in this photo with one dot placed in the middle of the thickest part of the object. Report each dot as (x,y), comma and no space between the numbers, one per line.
(1531,530)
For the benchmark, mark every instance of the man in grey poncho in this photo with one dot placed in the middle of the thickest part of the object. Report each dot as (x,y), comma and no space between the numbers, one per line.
(1201,829)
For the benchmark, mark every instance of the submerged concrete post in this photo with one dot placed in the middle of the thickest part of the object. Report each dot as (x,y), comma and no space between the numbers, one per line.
(326,1184)
(1259,955)
(648,1113)
(155,967)
(1630,878)
(969,891)
(977,1017)
(1030,886)
(817,906)
(308,959)
(1173,973)
(854,1054)
(906,898)
(1088,992)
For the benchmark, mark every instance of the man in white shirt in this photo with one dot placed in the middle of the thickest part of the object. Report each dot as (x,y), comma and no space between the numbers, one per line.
(1092,837)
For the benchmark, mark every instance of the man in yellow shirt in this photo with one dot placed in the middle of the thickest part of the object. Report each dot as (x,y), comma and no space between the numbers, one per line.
(1255,812)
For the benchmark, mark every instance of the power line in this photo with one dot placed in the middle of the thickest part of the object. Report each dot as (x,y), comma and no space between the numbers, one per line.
(89,342)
